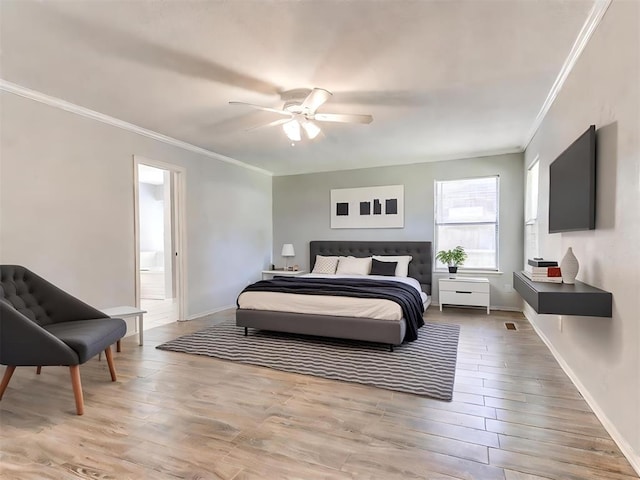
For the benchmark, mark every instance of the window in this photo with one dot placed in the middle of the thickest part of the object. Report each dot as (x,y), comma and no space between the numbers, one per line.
(531,211)
(467,215)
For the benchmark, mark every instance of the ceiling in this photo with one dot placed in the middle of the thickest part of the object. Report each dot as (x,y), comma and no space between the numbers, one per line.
(442,79)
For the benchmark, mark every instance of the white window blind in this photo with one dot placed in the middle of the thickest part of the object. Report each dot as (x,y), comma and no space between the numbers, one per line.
(467,215)
(531,211)
(531,200)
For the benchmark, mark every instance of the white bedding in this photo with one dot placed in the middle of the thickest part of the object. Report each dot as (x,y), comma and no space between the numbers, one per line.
(328,305)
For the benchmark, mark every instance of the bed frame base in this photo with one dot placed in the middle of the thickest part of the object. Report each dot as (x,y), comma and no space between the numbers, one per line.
(352,328)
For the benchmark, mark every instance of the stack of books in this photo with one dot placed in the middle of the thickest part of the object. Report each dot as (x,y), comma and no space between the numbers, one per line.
(540,270)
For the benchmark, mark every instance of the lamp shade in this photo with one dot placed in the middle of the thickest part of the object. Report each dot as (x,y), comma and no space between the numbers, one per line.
(287,250)
(312,129)
(292,130)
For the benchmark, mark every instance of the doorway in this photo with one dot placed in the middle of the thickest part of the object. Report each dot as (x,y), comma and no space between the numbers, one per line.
(159,190)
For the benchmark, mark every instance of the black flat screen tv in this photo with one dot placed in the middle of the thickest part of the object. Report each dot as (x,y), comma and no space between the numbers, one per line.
(572,186)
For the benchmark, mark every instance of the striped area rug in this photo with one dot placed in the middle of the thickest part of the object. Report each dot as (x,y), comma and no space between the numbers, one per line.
(424,367)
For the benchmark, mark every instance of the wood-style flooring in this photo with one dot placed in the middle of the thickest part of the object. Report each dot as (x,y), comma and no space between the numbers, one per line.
(514,416)
(159,312)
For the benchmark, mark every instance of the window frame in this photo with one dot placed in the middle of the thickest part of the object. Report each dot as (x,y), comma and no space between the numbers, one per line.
(531,201)
(531,211)
(436,223)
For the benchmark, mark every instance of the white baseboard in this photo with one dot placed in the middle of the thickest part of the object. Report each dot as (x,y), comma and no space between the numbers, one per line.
(507,309)
(210,312)
(632,456)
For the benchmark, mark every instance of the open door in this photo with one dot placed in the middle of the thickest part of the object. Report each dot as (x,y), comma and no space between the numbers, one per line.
(159,227)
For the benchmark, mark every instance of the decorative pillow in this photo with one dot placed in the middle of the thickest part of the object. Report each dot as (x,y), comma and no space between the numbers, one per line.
(383,268)
(325,265)
(354,266)
(402,270)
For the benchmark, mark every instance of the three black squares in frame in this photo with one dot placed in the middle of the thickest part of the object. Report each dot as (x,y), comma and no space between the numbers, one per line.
(390,207)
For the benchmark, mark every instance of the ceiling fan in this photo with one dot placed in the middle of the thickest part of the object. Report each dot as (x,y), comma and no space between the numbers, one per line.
(301,111)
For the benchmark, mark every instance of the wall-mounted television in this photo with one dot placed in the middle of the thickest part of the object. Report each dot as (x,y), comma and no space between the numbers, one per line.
(572,186)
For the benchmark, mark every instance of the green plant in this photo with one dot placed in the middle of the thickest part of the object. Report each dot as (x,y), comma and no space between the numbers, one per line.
(453,257)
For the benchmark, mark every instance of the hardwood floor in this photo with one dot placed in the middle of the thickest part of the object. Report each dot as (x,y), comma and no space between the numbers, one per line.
(159,312)
(514,416)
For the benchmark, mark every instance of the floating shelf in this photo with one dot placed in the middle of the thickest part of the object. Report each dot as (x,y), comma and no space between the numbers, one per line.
(562,298)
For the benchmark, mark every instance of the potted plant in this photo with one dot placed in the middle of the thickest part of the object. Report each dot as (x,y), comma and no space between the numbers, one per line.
(453,258)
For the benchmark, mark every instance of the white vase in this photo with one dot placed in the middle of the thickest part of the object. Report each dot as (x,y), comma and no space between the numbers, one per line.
(569,267)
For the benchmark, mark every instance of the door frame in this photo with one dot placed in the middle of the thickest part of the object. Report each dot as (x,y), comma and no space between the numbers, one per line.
(179,182)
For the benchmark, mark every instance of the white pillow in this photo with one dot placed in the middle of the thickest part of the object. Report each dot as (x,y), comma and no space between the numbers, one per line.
(402,270)
(354,266)
(325,265)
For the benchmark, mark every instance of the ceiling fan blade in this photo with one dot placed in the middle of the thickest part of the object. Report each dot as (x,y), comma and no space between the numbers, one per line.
(271,124)
(343,118)
(266,109)
(315,99)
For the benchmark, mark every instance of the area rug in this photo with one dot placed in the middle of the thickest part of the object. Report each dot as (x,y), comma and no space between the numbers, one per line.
(424,367)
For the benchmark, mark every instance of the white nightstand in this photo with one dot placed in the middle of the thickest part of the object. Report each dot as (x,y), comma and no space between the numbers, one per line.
(472,291)
(267,274)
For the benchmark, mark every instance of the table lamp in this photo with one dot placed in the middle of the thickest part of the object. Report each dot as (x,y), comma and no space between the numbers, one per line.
(287,251)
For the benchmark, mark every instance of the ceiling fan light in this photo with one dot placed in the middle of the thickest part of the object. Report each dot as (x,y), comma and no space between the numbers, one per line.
(292,130)
(311,129)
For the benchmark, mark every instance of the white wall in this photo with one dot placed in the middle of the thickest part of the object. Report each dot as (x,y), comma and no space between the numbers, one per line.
(66,208)
(152,219)
(602,354)
(301,210)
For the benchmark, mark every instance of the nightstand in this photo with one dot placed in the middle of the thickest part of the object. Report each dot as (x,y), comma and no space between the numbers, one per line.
(267,274)
(473,291)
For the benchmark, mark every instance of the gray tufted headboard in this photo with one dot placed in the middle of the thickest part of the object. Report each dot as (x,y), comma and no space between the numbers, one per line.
(420,267)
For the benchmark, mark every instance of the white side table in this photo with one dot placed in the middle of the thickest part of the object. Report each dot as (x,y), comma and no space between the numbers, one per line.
(267,274)
(127,312)
(473,291)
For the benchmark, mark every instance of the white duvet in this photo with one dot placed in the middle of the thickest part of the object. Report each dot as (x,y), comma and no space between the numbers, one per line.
(328,305)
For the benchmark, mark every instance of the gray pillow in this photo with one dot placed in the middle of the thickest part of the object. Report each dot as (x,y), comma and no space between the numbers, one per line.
(383,268)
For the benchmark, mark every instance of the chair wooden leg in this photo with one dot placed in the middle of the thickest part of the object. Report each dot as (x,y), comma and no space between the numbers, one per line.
(112,368)
(5,380)
(38,369)
(77,388)
(118,349)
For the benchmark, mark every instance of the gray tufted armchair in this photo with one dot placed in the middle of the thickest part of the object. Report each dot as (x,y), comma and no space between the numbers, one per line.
(41,325)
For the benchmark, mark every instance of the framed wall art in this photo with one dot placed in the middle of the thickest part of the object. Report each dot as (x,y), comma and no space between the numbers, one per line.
(368,207)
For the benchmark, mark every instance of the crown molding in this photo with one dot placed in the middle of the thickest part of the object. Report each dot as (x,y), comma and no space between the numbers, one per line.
(416,161)
(591,23)
(115,122)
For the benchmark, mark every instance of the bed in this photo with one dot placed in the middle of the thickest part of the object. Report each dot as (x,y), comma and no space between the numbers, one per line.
(348,327)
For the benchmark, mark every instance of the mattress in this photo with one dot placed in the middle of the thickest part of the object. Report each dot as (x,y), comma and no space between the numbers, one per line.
(329,305)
